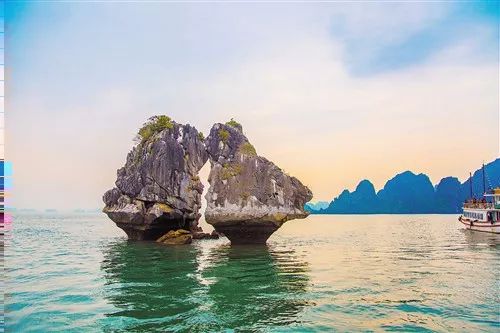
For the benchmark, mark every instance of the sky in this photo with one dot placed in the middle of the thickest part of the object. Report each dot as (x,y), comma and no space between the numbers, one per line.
(332,92)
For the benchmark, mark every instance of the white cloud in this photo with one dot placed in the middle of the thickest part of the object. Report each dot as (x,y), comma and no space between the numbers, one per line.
(277,69)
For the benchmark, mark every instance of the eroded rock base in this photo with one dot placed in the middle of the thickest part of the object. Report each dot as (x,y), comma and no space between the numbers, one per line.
(206,235)
(153,231)
(241,233)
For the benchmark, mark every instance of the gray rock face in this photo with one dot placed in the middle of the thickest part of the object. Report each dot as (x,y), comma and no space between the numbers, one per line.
(158,189)
(249,197)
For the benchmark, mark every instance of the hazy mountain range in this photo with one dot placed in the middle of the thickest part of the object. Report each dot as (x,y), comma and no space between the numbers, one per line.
(408,193)
(317,205)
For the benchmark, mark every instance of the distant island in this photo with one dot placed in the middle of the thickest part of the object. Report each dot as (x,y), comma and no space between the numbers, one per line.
(408,193)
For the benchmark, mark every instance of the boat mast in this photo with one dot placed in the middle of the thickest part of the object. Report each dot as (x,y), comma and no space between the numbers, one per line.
(470,183)
(484,181)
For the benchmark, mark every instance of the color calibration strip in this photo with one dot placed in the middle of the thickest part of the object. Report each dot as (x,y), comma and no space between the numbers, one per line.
(6,168)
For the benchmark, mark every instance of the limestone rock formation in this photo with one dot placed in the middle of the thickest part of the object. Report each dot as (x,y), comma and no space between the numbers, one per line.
(205,235)
(249,196)
(158,189)
(176,237)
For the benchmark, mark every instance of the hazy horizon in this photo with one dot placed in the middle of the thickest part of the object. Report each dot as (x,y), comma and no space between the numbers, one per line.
(204,176)
(333,93)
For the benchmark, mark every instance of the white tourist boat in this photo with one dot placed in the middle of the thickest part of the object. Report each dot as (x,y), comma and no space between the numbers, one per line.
(482,214)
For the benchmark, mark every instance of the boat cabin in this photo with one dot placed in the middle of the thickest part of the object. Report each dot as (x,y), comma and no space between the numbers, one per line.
(483,210)
(496,198)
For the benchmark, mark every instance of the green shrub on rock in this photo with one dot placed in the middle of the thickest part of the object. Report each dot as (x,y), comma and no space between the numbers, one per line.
(230,170)
(234,123)
(247,148)
(154,125)
(224,135)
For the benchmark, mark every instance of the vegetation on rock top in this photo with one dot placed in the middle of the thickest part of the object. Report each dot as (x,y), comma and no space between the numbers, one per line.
(154,125)
(234,123)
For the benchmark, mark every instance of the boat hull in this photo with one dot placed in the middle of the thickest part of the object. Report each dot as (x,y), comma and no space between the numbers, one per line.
(480,225)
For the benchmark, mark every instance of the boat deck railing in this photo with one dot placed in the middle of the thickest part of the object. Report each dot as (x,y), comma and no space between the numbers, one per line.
(481,205)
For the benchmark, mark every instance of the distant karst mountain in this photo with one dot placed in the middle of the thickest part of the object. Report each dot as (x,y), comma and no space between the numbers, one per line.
(318,205)
(408,193)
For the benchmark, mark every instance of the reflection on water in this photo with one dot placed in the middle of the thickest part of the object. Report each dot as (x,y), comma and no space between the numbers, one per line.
(478,239)
(154,287)
(254,286)
(148,283)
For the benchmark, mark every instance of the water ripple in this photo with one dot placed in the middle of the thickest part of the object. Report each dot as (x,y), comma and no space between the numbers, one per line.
(327,273)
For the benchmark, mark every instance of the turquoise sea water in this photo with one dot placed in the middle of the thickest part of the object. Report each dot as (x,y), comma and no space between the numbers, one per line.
(404,273)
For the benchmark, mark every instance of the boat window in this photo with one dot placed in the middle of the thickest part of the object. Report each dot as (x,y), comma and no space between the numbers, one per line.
(473,215)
